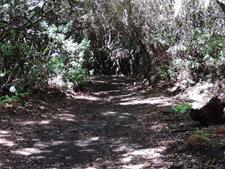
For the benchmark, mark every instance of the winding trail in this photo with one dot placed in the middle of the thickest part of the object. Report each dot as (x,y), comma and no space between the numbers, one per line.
(110,127)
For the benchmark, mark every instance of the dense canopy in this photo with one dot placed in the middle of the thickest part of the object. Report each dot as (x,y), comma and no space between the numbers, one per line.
(71,40)
(122,75)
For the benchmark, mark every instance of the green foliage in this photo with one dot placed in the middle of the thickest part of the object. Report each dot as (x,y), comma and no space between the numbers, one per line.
(56,65)
(11,99)
(68,62)
(165,38)
(34,48)
(204,135)
(42,40)
(182,108)
(164,72)
(50,52)
(6,49)
(208,44)
(214,47)
(78,75)
(201,54)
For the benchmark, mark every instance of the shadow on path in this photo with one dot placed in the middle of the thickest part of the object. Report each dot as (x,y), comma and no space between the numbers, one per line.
(104,128)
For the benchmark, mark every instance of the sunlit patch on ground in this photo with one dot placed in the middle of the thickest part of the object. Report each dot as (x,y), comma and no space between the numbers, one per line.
(125,147)
(150,156)
(90,168)
(38,148)
(86,142)
(105,92)
(41,145)
(4,139)
(29,151)
(27,123)
(56,143)
(124,116)
(123,96)
(135,166)
(87,97)
(109,113)
(4,133)
(65,117)
(6,142)
(160,101)
(150,153)
(132,156)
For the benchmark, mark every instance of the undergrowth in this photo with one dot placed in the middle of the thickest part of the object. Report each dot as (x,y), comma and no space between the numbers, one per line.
(181,108)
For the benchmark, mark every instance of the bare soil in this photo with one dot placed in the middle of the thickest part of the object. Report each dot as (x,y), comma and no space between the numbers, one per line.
(110,125)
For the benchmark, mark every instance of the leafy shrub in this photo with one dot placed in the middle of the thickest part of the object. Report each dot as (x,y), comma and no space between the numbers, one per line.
(182,108)
(165,38)
(8,99)
(207,53)
(203,135)
(68,61)
(208,44)
(202,53)
(11,99)
(23,64)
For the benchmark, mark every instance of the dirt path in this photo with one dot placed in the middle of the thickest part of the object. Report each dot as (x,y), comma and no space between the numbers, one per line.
(111,126)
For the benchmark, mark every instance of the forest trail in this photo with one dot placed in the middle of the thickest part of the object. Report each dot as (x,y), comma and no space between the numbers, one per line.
(110,126)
